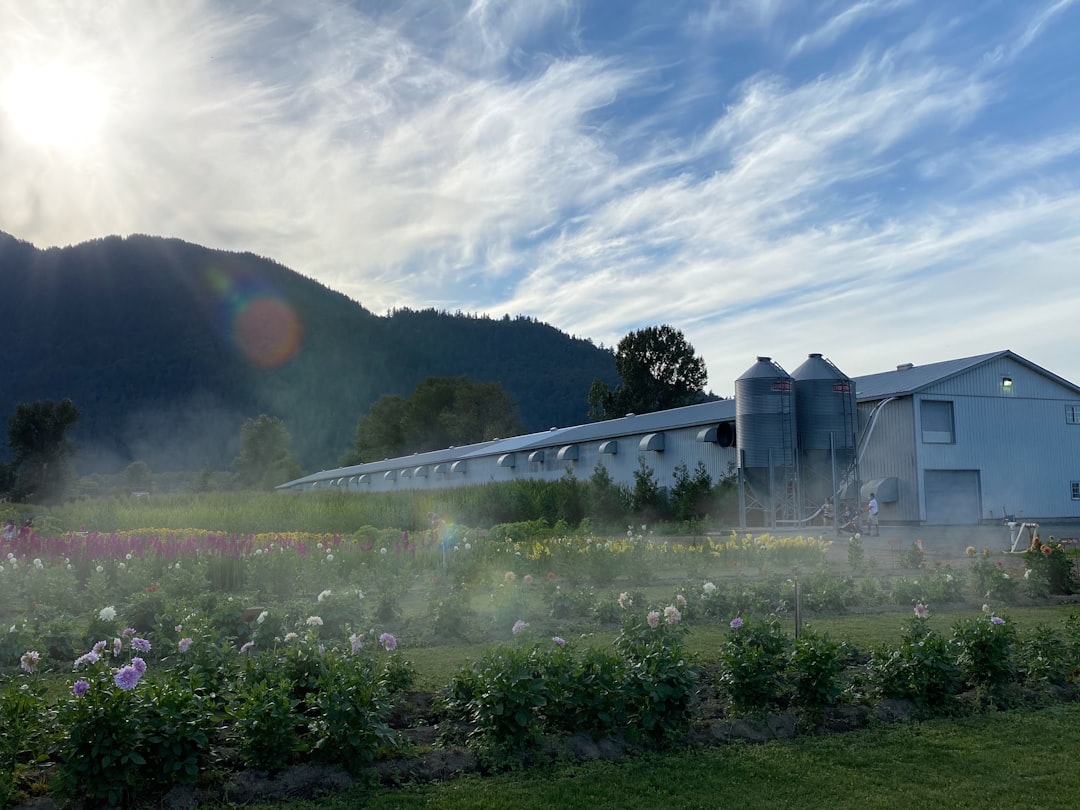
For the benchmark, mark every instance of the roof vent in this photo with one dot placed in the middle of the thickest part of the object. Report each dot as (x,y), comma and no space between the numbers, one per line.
(905,366)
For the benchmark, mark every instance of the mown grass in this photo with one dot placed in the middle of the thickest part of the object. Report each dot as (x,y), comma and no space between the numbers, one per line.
(1001,760)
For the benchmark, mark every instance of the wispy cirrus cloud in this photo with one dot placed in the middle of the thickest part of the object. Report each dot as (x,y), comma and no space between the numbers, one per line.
(769,177)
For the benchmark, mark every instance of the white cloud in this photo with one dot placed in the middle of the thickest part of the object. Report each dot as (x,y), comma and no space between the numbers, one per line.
(437,155)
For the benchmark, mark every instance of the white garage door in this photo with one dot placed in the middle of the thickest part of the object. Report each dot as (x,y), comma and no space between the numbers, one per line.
(952,497)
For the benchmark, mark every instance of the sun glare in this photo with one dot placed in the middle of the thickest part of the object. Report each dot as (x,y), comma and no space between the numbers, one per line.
(55,106)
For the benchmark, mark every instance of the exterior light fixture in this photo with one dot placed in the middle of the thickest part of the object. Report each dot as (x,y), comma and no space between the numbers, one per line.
(1006,383)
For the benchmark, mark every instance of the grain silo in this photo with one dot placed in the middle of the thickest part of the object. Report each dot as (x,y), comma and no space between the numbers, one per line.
(765,428)
(827,421)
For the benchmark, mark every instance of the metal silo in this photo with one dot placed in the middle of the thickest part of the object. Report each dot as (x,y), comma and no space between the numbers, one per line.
(827,422)
(765,430)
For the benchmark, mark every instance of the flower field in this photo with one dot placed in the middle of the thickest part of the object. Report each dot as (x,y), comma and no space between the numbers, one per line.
(134,661)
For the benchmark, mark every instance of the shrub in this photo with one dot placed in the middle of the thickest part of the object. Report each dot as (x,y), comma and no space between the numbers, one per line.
(589,692)
(1048,568)
(265,723)
(1042,657)
(505,695)
(815,667)
(991,581)
(985,653)
(176,724)
(922,669)
(351,703)
(753,661)
(660,686)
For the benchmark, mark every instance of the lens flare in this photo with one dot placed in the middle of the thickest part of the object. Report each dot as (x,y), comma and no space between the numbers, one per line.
(262,325)
(267,331)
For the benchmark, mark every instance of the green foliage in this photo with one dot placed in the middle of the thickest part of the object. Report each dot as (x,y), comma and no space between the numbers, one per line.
(985,653)
(137,476)
(351,702)
(815,669)
(1048,569)
(265,723)
(608,502)
(441,412)
(753,660)
(41,463)
(658,370)
(855,555)
(648,501)
(504,695)
(922,669)
(690,494)
(29,737)
(176,723)
(100,757)
(991,581)
(1042,657)
(660,687)
(264,460)
(589,692)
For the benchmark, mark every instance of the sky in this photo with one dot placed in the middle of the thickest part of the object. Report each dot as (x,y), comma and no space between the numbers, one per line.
(881,181)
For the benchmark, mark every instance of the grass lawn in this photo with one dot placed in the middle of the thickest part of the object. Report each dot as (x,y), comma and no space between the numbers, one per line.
(997,760)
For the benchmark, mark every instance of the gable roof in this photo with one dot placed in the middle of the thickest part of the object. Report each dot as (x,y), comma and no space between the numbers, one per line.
(911,379)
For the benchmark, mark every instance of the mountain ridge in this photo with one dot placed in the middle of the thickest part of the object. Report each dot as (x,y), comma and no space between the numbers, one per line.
(167,347)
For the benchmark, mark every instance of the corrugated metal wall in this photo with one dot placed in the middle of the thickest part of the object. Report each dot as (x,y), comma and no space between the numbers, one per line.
(1016,438)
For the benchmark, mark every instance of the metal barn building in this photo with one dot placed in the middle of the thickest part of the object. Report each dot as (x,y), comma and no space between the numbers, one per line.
(959,442)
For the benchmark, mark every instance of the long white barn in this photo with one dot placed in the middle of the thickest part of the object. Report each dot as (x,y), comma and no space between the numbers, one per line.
(957,442)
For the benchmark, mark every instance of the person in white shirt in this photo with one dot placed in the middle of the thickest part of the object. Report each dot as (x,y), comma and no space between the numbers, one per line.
(872,513)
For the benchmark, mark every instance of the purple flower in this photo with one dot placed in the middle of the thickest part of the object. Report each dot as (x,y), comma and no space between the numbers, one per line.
(558,640)
(140,644)
(117,647)
(357,642)
(184,644)
(29,661)
(653,618)
(128,631)
(997,620)
(388,642)
(79,688)
(519,626)
(247,646)
(922,611)
(99,646)
(139,664)
(84,660)
(127,678)
(736,623)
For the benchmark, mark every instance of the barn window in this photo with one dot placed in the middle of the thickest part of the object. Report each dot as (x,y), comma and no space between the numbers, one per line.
(1074,486)
(1072,414)
(937,422)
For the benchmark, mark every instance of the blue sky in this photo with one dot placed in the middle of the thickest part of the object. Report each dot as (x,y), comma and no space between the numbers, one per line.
(883,181)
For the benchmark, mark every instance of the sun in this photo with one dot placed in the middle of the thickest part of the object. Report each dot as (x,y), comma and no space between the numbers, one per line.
(54,105)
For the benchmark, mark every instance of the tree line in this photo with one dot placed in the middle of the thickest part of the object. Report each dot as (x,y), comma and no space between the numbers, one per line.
(657,367)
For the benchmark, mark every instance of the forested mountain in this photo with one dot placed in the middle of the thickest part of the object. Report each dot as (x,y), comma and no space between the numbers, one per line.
(167,348)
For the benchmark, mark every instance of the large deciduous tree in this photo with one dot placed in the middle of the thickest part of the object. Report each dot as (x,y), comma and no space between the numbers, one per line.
(658,369)
(442,412)
(264,460)
(37,436)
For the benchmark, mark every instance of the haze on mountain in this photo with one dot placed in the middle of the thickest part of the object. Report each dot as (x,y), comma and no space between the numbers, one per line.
(167,347)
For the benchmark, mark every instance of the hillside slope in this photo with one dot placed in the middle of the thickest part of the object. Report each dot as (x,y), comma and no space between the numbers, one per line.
(167,347)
